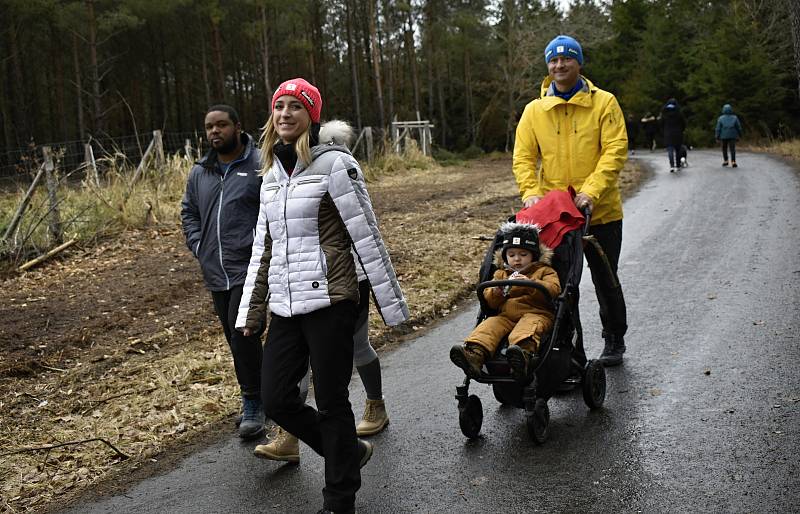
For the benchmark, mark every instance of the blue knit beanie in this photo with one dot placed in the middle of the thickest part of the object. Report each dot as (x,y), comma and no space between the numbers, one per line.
(563,45)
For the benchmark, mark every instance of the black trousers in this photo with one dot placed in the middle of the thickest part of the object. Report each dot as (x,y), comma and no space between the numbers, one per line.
(246,351)
(729,143)
(325,337)
(613,314)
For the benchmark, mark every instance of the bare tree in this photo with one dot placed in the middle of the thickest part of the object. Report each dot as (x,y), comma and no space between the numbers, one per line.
(376,59)
(794,13)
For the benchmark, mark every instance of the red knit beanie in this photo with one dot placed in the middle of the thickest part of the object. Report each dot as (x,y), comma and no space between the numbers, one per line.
(303,91)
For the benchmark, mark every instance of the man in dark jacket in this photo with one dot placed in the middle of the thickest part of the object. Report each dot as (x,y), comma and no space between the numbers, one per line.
(219,213)
(673,124)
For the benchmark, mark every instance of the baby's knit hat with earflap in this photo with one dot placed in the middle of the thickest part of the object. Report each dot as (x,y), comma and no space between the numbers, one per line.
(305,92)
(520,235)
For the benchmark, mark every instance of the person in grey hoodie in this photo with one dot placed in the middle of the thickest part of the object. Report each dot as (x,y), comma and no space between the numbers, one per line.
(728,130)
(219,213)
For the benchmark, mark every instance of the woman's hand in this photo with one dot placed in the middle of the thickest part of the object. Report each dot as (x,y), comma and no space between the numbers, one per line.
(247,332)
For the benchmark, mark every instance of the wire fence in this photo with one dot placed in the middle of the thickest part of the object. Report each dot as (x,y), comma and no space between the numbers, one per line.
(18,165)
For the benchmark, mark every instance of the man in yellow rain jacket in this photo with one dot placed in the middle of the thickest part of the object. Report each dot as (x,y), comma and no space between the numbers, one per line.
(574,135)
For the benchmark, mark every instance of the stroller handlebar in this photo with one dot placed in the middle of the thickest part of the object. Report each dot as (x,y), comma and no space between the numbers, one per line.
(522,283)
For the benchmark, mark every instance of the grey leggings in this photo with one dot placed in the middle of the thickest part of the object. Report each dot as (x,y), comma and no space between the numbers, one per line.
(363,353)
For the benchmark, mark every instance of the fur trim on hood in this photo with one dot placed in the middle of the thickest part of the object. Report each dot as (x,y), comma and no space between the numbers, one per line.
(336,132)
(545,252)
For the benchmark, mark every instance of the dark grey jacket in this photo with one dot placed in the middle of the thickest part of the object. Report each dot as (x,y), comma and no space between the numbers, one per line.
(219,213)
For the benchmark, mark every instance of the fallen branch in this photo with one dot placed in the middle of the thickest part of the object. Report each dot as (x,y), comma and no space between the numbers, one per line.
(112,397)
(121,454)
(46,256)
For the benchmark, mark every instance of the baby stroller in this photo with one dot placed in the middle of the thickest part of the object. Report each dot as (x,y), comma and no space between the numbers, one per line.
(563,364)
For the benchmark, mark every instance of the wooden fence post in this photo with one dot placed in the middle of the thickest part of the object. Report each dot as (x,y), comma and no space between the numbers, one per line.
(23,205)
(368,137)
(52,195)
(141,165)
(158,141)
(90,164)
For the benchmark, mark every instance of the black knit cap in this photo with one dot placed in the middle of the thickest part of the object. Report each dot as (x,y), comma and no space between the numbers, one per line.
(520,235)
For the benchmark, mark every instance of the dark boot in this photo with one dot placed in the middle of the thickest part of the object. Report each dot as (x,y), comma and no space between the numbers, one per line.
(612,353)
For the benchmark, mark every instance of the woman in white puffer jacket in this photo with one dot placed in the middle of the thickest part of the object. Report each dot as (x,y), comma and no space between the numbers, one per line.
(314,209)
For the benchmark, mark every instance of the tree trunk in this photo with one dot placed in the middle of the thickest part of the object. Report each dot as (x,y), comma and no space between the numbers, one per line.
(265,51)
(351,54)
(468,116)
(94,69)
(78,88)
(412,59)
(206,81)
(442,112)
(376,61)
(794,14)
(216,50)
(19,103)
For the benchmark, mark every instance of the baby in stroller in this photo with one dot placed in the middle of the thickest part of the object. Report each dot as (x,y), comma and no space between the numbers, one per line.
(524,314)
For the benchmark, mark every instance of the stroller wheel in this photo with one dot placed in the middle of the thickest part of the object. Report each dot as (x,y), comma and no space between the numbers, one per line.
(538,421)
(594,384)
(470,417)
(508,394)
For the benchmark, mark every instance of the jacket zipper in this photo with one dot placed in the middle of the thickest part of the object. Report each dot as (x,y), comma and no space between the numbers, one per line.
(286,253)
(219,237)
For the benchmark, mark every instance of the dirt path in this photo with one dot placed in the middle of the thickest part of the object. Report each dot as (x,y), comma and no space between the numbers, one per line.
(120,341)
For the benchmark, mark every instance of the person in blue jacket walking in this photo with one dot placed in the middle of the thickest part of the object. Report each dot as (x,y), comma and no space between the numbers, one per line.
(219,212)
(728,131)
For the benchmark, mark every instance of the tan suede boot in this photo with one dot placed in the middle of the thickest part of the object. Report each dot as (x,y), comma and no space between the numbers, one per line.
(283,446)
(375,418)
(469,357)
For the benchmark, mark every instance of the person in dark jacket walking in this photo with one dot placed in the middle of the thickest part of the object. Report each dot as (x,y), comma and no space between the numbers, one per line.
(673,124)
(650,126)
(728,130)
(219,213)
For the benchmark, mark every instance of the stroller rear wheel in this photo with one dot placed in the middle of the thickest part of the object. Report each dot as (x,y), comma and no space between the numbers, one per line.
(508,394)
(470,416)
(594,384)
(538,421)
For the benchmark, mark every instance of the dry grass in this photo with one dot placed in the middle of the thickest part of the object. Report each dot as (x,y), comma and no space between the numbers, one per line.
(790,148)
(88,212)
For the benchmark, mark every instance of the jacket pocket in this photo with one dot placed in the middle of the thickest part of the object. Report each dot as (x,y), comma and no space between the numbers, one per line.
(323,261)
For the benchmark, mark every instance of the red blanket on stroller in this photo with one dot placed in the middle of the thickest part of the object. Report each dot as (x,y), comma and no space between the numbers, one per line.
(555,214)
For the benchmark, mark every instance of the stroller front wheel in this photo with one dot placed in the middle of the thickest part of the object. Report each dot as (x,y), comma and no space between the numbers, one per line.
(470,416)
(594,384)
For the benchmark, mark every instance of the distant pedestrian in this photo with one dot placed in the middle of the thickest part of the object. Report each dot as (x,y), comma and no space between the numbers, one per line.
(728,130)
(673,124)
(632,128)
(219,213)
(650,127)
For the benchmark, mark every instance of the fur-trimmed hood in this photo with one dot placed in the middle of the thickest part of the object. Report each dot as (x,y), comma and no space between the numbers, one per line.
(545,252)
(336,132)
